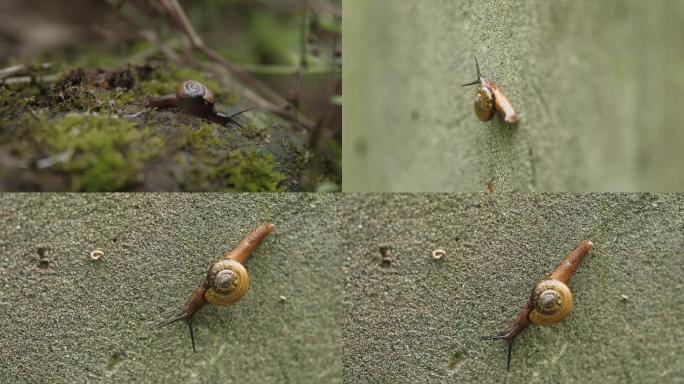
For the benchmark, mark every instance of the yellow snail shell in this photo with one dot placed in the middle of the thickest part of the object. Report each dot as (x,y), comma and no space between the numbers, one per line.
(551,302)
(227,282)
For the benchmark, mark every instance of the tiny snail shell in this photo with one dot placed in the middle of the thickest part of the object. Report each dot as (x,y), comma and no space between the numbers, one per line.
(226,281)
(550,300)
(438,254)
(96,255)
(489,99)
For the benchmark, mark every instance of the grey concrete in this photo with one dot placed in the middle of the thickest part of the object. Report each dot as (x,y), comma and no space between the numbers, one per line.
(74,320)
(598,85)
(419,321)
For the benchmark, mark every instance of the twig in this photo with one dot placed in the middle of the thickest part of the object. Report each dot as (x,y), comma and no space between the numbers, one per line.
(297,83)
(331,90)
(278,105)
(22,70)
(30,79)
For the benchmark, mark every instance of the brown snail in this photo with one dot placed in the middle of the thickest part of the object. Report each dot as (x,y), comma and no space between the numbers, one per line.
(489,99)
(550,300)
(194,98)
(226,281)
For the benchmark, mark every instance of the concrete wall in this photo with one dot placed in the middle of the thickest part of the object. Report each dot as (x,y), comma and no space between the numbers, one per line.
(414,320)
(599,86)
(74,320)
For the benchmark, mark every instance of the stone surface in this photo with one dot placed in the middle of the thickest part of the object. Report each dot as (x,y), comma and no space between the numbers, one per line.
(411,319)
(598,86)
(67,318)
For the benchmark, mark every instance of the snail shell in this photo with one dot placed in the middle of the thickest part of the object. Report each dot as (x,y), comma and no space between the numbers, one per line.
(227,282)
(193,91)
(484,103)
(551,302)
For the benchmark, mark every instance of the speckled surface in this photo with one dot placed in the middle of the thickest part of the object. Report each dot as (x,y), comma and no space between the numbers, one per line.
(598,86)
(73,320)
(414,320)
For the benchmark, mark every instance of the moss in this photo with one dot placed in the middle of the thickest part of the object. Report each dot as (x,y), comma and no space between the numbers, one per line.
(253,131)
(250,172)
(200,138)
(6,97)
(108,153)
(243,171)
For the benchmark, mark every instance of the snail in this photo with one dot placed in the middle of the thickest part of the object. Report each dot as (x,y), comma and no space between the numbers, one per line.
(550,300)
(226,281)
(196,99)
(489,99)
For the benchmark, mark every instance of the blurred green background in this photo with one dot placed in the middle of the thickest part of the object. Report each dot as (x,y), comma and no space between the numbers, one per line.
(67,319)
(410,319)
(598,86)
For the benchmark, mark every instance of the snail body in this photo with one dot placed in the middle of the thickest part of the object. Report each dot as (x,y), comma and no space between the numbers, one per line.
(488,100)
(227,280)
(194,98)
(550,300)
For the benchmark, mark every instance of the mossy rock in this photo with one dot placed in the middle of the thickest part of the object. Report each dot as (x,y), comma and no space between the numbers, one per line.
(91,130)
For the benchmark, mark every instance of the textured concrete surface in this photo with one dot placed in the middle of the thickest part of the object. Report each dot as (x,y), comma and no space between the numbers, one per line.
(414,320)
(598,86)
(71,320)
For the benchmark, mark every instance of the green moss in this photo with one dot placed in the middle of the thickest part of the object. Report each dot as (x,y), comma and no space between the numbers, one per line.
(6,97)
(250,172)
(252,131)
(242,171)
(108,153)
(200,138)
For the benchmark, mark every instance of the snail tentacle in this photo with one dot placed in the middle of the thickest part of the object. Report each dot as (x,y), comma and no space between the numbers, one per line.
(188,320)
(225,119)
(513,330)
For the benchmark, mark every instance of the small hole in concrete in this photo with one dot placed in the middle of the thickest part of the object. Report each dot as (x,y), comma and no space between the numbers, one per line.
(43,252)
(386,261)
(44,261)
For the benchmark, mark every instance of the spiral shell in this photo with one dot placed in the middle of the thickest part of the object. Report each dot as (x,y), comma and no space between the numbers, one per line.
(551,302)
(195,90)
(227,282)
(484,103)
